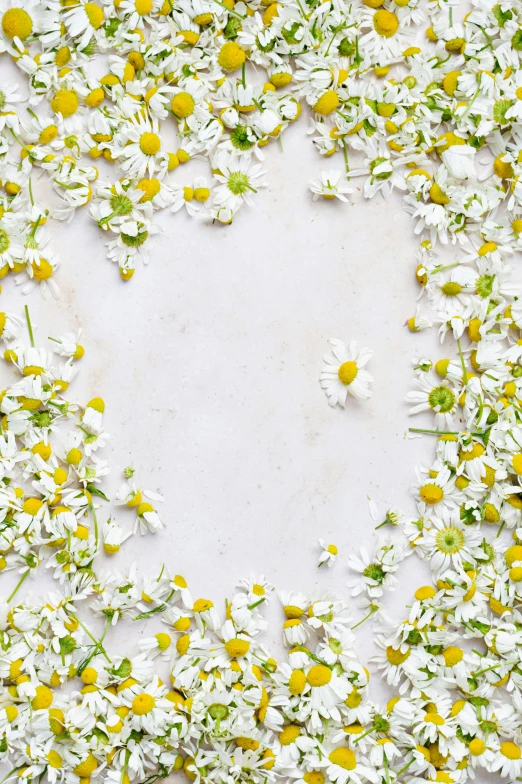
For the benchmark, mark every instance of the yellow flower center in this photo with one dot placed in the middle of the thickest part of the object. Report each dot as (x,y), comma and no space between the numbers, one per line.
(237,647)
(201,194)
(343,757)
(74,456)
(89,676)
(32,506)
(143,7)
(163,640)
(150,143)
(515,574)
(394,655)
(231,56)
(434,718)
(88,766)
(292,611)
(452,655)
(48,134)
(319,675)
(95,97)
(327,103)
(95,14)
(43,270)
(64,102)
(385,23)
(513,554)
(347,372)
(43,698)
(297,682)
(510,750)
(202,605)
(289,734)
(313,777)
(16,23)
(142,704)
(431,494)
(425,592)
(182,644)
(54,759)
(476,747)
(183,104)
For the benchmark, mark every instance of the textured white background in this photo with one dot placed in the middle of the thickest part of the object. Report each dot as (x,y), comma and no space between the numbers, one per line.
(208,361)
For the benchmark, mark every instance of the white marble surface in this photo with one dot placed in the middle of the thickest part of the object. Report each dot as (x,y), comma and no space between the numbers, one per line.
(209,361)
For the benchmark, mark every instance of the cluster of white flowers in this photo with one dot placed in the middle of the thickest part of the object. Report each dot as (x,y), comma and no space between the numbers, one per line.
(50,466)
(219,80)
(441,121)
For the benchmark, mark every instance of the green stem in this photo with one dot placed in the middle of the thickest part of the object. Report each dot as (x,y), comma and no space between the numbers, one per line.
(464,371)
(494,667)
(29,325)
(97,648)
(374,610)
(405,767)
(360,737)
(346,162)
(90,635)
(230,11)
(95,519)
(19,584)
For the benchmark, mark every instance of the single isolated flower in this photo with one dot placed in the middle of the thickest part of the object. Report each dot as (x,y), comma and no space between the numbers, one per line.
(345,373)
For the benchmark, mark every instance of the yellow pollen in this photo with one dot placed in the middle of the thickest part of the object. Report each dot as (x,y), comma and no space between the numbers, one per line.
(313,777)
(42,271)
(327,103)
(94,14)
(43,698)
(512,554)
(142,704)
(385,23)
(434,718)
(431,494)
(487,247)
(163,640)
(510,750)
(425,592)
(237,647)
(503,169)
(394,655)
(343,757)
(347,372)
(89,676)
(183,104)
(143,7)
(150,143)
(64,102)
(452,655)
(16,23)
(319,675)
(88,766)
(231,56)
(515,574)
(297,682)
(32,506)
(289,734)
(476,747)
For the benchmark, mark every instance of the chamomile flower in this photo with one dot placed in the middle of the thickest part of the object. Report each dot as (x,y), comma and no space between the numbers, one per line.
(328,554)
(345,373)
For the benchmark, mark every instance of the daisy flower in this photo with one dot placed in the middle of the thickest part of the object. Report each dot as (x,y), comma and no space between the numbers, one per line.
(345,373)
